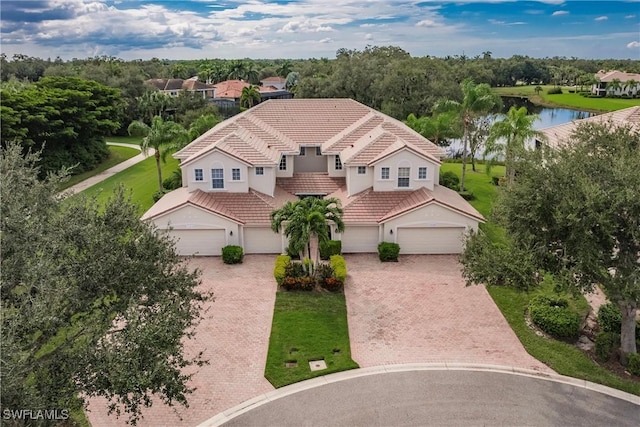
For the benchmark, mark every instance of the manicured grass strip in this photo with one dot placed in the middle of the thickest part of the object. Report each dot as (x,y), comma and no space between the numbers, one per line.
(141,179)
(307,326)
(125,139)
(116,155)
(563,358)
(478,183)
(566,99)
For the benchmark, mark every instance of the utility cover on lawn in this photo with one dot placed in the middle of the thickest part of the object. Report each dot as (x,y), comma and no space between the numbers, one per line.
(317,365)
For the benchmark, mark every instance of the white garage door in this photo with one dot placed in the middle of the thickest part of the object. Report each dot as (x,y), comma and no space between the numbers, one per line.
(199,242)
(360,239)
(431,240)
(262,240)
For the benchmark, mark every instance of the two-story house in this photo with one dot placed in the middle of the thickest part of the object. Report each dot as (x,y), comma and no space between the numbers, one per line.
(384,174)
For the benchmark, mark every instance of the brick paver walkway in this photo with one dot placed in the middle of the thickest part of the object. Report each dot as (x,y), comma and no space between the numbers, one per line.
(419,311)
(234,337)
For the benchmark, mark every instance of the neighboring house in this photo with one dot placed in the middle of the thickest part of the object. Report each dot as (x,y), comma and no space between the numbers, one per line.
(384,173)
(232,90)
(560,134)
(629,83)
(173,87)
(279,83)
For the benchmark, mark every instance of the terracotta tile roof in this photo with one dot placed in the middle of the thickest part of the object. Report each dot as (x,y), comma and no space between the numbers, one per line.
(191,84)
(557,135)
(280,126)
(230,89)
(273,79)
(609,76)
(310,183)
(252,208)
(371,206)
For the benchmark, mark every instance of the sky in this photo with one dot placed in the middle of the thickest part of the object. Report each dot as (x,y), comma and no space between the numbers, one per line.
(269,29)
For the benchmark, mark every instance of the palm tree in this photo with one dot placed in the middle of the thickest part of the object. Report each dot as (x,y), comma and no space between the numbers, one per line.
(153,103)
(201,125)
(163,136)
(631,85)
(437,128)
(614,86)
(305,220)
(514,129)
(237,70)
(250,96)
(284,68)
(477,101)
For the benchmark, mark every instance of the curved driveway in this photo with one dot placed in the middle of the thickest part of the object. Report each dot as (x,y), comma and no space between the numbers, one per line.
(440,398)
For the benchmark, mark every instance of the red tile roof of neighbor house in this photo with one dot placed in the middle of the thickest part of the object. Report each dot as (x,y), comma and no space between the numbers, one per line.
(311,183)
(232,89)
(281,126)
(557,135)
(273,79)
(609,76)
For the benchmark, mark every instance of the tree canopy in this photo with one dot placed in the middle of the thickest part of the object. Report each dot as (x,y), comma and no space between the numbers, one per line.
(574,211)
(94,301)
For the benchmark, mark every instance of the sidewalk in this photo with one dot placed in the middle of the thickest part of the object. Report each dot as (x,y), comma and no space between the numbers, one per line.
(81,186)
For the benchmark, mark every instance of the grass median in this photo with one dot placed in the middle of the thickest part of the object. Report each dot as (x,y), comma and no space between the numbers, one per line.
(116,155)
(307,326)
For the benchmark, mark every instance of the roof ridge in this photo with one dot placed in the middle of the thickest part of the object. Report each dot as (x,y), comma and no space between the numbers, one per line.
(270,129)
(349,130)
(264,197)
(378,132)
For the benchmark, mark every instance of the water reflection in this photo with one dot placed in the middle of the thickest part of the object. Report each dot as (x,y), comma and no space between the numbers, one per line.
(547,117)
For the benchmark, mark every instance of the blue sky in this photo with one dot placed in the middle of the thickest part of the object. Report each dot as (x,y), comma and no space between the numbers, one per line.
(317,28)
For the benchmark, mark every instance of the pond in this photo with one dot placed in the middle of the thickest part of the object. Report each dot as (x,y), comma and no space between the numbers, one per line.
(546,117)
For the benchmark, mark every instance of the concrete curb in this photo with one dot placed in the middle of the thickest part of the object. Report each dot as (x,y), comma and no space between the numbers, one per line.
(262,399)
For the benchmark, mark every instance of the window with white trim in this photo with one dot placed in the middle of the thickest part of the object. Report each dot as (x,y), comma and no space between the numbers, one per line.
(198,175)
(259,170)
(283,163)
(318,151)
(384,173)
(217,178)
(403,177)
(362,170)
(338,163)
(235,174)
(422,172)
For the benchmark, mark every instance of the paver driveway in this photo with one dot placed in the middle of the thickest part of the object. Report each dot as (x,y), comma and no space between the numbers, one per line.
(419,310)
(234,336)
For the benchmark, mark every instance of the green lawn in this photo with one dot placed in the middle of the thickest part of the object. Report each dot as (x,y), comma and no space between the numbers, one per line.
(116,155)
(141,179)
(563,358)
(307,326)
(125,139)
(566,99)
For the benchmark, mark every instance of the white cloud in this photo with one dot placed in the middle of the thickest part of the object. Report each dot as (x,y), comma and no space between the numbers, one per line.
(368,36)
(305,26)
(326,40)
(559,13)
(630,16)
(426,23)
(633,45)
(601,18)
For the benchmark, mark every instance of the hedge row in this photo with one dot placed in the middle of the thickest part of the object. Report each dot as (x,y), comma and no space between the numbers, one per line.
(279,271)
(339,267)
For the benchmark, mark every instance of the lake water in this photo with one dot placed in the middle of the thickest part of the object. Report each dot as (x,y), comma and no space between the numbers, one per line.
(547,117)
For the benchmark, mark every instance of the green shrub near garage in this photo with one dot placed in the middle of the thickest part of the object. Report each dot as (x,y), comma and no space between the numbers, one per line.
(388,251)
(330,247)
(232,254)
(554,316)
(280,268)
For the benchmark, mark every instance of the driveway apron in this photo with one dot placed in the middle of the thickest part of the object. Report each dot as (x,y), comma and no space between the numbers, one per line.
(234,336)
(419,310)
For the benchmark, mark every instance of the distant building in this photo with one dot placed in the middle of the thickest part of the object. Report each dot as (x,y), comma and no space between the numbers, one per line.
(173,87)
(629,83)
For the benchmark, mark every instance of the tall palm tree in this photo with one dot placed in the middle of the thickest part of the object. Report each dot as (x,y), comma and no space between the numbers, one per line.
(613,86)
(250,96)
(437,128)
(305,220)
(284,68)
(163,136)
(631,85)
(237,70)
(201,125)
(477,101)
(507,137)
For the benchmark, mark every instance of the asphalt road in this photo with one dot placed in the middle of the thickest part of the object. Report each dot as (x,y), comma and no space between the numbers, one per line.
(443,398)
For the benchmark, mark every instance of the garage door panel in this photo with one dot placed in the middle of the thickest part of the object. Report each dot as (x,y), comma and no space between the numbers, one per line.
(431,240)
(262,240)
(199,242)
(360,239)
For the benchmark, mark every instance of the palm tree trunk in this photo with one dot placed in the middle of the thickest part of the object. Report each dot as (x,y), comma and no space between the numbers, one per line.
(464,158)
(157,155)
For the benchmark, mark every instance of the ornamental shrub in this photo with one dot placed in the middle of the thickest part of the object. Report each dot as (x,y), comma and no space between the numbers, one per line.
(332,284)
(302,283)
(232,254)
(388,251)
(330,247)
(554,316)
(607,343)
(556,90)
(467,195)
(279,271)
(634,363)
(339,267)
(610,319)
(450,180)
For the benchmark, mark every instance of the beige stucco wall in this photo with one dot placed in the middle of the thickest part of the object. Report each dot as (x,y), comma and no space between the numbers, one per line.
(310,162)
(356,182)
(331,166)
(432,215)
(263,183)
(193,218)
(286,173)
(216,160)
(405,159)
